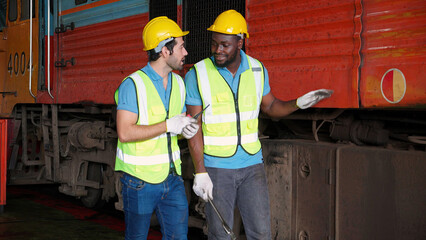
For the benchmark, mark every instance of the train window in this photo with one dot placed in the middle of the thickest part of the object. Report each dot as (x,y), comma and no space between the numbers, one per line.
(13,10)
(3,7)
(25,9)
(163,8)
(197,17)
(78,2)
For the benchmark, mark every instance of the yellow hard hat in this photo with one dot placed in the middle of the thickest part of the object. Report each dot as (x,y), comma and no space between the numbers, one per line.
(230,22)
(159,29)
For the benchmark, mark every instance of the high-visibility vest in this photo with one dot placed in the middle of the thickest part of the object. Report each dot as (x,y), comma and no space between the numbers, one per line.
(150,159)
(231,119)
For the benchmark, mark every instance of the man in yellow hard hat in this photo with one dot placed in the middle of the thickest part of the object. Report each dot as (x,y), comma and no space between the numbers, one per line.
(227,153)
(150,115)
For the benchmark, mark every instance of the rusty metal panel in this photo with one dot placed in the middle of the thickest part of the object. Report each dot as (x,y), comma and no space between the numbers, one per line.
(394,53)
(104,54)
(306,45)
(278,166)
(314,190)
(301,187)
(380,194)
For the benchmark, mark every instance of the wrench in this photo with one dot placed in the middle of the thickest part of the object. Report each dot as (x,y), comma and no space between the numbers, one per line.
(225,226)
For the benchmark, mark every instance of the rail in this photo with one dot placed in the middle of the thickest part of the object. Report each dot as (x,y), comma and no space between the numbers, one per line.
(48,49)
(31,50)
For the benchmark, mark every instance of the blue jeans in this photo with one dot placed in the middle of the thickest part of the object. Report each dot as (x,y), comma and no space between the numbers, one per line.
(167,199)
(247,189)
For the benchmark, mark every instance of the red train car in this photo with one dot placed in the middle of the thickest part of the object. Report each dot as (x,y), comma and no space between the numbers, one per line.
(370,52)
(332,169)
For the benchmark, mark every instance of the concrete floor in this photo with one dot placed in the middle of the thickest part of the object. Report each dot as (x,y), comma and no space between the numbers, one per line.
(37,212)
(40,212)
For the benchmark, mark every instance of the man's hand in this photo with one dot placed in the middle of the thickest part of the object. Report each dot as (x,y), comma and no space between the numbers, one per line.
(177,123)
(203,186)
(190,130)
(312,98)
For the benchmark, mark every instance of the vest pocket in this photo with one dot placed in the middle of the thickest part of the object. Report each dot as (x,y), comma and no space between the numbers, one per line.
(249,101)
(222,97)
(251,124)
(219,129)
(223,103)
(157,111)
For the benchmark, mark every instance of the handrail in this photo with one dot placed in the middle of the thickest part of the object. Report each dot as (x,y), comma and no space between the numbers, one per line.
(31,49)
(48,49)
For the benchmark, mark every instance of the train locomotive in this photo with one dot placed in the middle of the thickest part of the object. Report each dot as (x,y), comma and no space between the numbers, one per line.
(352,167)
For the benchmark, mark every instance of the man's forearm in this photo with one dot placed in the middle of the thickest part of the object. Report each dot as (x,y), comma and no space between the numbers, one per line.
(196,149)
(280,108)
(142,132)
(196,144)
(129,131)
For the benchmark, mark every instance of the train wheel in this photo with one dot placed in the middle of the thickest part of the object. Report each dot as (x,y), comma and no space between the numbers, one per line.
(94,196)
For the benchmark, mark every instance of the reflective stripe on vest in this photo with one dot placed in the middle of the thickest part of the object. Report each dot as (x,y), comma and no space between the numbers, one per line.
(230,120)
(149,160)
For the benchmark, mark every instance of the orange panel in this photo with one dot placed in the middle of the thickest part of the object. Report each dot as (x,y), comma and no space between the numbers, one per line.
(16,84)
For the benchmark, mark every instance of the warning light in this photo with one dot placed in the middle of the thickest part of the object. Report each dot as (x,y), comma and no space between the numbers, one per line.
(393,85)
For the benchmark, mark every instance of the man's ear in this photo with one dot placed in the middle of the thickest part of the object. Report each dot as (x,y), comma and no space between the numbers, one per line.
(165,51)
(240,43)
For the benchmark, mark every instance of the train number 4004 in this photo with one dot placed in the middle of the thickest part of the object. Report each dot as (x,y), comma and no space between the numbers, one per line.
(18,64)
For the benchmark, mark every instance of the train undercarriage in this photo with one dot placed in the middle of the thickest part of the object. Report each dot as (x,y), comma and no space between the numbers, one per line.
(323,166)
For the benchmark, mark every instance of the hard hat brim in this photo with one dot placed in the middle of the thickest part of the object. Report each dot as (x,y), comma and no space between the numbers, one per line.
(179,35)
(211,29)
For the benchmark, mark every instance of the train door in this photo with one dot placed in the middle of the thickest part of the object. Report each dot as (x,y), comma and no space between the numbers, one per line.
(3,48)
(22,54)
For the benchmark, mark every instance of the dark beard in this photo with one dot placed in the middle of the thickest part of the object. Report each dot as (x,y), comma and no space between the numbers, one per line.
(227,62)
(176,66)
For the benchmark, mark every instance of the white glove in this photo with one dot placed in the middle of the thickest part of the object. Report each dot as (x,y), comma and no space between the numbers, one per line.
(177,123)
(203,186)
(312,98)
(190,130)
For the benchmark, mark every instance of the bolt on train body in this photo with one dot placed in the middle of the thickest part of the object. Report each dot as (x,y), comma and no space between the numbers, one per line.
(353,167)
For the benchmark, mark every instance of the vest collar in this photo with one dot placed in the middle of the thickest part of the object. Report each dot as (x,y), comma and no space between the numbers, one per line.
(152,74)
